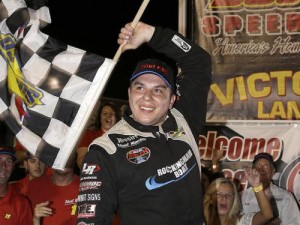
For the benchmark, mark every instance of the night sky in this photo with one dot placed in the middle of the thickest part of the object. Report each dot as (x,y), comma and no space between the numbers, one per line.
(94,25)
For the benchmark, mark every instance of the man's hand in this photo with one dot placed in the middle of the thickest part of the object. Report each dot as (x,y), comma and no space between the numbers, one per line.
(276,221)
(132,38)
(41,210)
(253,177)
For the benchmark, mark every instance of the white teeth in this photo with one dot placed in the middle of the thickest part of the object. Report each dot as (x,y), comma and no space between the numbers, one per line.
(146,108)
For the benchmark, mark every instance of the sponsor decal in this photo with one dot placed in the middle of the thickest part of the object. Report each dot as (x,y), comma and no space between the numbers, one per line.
(89,185)
(89,197)
(83,223)
(70,201)
(139,155)
(86,211)
(151,184)
(129,141)
(90,169)
(181,43)
(179,170)
(88,178)
(176,134)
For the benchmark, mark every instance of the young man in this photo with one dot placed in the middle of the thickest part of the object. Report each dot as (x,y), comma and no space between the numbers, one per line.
(54,197)
(34,168)
(285,208)
(147,166)
(14,207)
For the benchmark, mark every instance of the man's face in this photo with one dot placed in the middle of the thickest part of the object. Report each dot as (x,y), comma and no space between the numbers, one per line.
(266,171)
(150,99)
(35,167)
(6,167)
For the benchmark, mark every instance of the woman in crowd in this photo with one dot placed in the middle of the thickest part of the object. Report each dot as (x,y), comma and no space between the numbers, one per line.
(222,203)
(106,118)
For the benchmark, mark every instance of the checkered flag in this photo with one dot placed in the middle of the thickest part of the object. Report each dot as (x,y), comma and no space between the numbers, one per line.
(48,89)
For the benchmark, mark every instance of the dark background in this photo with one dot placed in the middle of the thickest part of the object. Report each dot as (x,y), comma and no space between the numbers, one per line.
(94,25)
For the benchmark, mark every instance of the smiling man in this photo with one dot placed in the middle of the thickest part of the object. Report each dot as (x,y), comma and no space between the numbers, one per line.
(147,166)
(14,207)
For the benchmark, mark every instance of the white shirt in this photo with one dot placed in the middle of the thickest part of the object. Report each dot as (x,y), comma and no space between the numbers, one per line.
(246,219)
(288,209)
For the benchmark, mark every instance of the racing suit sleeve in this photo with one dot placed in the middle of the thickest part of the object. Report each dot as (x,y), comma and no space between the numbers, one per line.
(193,81)
(97,199)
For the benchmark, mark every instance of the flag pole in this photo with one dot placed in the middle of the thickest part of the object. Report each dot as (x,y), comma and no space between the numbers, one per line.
(133,24)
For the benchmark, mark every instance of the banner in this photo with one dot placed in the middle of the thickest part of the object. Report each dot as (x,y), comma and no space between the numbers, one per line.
(48,89)
(241,142)
(253,103)
(255,51)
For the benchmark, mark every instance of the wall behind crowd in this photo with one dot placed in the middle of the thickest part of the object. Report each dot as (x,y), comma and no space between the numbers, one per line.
(253,101)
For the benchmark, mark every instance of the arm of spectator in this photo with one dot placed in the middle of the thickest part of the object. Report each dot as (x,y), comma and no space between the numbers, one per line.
(217,154)
(266,213)
(41,210)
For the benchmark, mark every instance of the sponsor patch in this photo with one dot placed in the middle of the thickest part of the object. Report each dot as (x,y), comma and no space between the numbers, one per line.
(176,134)
(89,197)
(70,201)
(139,155)
(83,223)
(86,211)
(89,185)
(177,170)
(89,169)
(181,43)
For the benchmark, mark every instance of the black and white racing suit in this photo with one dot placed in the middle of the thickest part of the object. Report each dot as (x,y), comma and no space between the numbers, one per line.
(150,175)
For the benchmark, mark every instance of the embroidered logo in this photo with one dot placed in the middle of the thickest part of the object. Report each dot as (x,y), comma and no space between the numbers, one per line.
(181,43)
(139,155)
(178,133)
(90,169)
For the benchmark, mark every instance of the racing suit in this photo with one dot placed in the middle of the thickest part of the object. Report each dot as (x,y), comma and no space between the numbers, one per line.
(150,175)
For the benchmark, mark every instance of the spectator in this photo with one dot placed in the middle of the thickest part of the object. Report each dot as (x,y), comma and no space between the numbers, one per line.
(14,207)
(107,117)
(34,168)
(54,197)
(206,176)
(285,208)
(123,109)
(222,203)
(210,174)
(147,166)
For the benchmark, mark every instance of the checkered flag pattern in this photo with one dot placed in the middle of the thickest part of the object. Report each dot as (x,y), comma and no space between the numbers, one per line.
(67,82)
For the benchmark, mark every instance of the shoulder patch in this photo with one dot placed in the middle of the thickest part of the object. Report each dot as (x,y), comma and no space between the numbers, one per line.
(181,43)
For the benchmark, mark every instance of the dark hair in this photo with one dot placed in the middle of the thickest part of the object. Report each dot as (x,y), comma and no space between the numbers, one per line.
(110,104)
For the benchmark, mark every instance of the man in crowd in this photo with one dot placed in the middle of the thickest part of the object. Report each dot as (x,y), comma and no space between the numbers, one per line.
(285,208)
(34,169)
(14,207)
(54,196)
